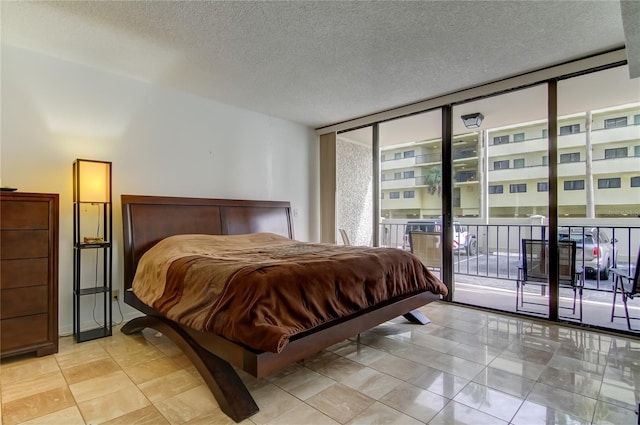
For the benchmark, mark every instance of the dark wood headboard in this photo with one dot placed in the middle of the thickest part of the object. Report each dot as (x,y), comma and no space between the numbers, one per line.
(149,219)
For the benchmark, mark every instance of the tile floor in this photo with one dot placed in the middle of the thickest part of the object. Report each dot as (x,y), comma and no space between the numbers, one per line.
(466,367)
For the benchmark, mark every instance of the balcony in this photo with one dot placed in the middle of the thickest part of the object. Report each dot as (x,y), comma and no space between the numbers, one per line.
(617,166)
(431,158)
(466,177)
(488,279)
(576,140)
(535,172)
(393,164)
(401,183)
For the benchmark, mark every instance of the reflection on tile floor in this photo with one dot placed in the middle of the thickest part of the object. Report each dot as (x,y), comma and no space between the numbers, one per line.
(466,367)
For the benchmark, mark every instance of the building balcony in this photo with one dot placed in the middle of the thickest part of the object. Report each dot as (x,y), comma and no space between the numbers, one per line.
(402,183)
(393,164)
(577,140)
(536,172)
(401,203)
(630,164)
(618,166)
(531,145)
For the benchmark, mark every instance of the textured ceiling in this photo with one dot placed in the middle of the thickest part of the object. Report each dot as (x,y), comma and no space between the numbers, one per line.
(316,63)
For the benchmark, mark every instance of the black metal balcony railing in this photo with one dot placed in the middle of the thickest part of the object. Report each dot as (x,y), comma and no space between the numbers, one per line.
(499,249)
(467,153)
(465,176)
(427,158)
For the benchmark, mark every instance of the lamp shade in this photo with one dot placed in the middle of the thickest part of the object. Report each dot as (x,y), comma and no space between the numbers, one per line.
(92,181)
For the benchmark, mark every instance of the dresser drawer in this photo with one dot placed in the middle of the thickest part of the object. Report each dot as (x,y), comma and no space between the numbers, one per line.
(24,272)
(24,301)
(24,215)
(16,244)
(23,331)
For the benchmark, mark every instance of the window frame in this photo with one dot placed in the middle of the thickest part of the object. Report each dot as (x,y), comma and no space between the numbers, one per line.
(572,184)
(624,149)
(615,121)
(493,189)
(572,157)
(515,187)
(605,183)
(566,130)
(502,162)
(501,140)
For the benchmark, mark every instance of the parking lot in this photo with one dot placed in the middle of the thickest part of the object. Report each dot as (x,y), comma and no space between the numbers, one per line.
(503,268)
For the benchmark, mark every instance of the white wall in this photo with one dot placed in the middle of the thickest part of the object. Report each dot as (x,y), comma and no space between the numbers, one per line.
(161,142)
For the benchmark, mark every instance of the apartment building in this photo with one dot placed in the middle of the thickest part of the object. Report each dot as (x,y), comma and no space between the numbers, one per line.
(507,168)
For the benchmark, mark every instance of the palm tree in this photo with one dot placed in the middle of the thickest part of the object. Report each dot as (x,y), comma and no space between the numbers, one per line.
(433,180)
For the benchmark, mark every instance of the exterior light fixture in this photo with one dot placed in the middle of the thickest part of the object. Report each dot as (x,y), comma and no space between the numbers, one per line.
(472,120)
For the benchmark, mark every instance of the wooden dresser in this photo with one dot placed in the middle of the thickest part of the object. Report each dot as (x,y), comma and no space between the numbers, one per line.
(28,273)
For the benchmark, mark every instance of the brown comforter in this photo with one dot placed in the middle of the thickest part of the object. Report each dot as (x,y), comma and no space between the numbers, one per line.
(260,289)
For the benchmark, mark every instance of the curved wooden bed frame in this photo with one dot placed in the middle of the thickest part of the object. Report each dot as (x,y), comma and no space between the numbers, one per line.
(148,219)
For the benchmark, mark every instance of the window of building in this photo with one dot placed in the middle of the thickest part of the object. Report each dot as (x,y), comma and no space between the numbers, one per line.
(501,165)
(636,119)
(397,155)
(381,195)
(635,181)
(518,137)
(636,151)
(615,122)
(495,189)
(569,157)
(574,185)
(616,153)
(383,176)
(543,186)
(518,163)
(611,183)
(569,129)
(409,154)
(394,195)
(409,194)
(545,160)
(382,158)
(545,133)
(408,174)
(501,140)
(518,188)
(397,176)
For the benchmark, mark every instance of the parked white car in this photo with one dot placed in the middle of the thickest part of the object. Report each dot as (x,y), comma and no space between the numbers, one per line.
(594,250)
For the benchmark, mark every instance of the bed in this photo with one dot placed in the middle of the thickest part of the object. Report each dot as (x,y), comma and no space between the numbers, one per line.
(148,220)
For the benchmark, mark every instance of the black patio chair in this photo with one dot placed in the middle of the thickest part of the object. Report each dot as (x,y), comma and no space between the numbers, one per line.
(534,270)
(627,283)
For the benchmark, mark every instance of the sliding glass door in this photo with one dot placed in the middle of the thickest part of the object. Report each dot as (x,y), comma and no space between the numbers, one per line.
(500,198)
(411,182)
(599,184)
(503,176)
